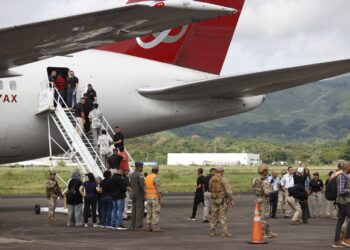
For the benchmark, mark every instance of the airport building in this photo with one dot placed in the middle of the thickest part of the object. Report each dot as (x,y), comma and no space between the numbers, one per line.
(213,159)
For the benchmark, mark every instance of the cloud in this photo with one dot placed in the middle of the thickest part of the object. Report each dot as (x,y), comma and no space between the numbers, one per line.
(281,33)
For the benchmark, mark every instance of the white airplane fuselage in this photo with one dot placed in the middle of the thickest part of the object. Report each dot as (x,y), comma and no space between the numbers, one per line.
(116,79)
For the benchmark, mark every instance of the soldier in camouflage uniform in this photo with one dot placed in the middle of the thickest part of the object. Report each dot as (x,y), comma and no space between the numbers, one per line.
(154,199)
(53,191)
(262,189)
(221,198)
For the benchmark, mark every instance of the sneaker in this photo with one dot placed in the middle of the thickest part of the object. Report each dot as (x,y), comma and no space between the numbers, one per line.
(122,228)
(191,218)
(346,242)
(205,221)
(272,235)
(337,244)
(95,225)
(86,225)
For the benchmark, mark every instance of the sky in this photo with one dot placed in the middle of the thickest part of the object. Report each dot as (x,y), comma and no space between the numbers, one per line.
(270,34)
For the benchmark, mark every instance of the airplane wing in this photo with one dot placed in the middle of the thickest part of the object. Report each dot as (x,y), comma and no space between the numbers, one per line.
(31,42)
(249,84)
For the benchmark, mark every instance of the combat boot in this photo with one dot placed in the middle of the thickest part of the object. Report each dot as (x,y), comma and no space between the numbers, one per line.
(156,229)
(212,233)
(226,234)
(149,228)
(272,235)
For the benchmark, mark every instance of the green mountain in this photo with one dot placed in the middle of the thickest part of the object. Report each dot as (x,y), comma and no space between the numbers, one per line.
(318,110)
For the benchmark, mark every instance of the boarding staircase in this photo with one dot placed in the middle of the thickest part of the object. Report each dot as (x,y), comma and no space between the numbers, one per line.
(78,149)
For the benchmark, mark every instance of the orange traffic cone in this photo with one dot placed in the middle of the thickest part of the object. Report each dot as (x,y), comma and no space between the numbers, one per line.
(257,229)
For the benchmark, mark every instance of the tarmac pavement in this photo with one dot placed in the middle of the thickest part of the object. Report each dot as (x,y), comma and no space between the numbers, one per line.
(20,228)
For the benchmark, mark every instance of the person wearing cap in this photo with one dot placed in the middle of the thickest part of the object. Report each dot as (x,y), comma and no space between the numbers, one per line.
(153,195)
(207,196)
(53,191)
(301,177)
(95,118)
(137,184)
(263,189)
(281,207)
(316,187)
(221,198)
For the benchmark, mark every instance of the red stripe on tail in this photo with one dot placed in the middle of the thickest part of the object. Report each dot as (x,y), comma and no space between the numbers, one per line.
(201,46)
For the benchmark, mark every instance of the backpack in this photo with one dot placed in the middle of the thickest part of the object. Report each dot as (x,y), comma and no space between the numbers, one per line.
(331,189)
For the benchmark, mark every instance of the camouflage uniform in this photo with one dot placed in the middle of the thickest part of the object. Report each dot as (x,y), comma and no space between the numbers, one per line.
(221,196)
(153,207)
(263,189)
(53,191)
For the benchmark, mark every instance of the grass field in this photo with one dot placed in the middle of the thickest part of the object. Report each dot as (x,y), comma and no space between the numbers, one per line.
(31,181)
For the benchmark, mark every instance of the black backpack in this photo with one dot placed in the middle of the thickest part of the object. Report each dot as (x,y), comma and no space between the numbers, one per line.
(331,189)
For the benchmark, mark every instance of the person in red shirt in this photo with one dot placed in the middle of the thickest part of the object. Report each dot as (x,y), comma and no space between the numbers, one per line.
(60,85)
(124,163)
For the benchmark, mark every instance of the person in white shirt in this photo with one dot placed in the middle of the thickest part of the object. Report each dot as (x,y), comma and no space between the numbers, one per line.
(281,208)
(95,117)
(104,143)
(275,182)
(292,204)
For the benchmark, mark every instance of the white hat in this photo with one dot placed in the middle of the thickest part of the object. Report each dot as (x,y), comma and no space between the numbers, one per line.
(300,170)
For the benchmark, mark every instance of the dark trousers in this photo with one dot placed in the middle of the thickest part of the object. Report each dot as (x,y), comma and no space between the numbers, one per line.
(305,210)
(106,211)
(198,198)
(273,204)
(90,205)
(343,212)
(137,212)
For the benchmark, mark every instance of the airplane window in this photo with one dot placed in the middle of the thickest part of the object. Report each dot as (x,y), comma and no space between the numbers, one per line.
(13,85)
(1,85)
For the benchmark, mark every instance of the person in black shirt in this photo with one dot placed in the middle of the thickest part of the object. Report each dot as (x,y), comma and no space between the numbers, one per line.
(199,195)
(118,138)
(79,114)
(75,200)
(207,196)
(300,177)
(106,200)
(316,187)
(91,95)
(118,189)
(73,82)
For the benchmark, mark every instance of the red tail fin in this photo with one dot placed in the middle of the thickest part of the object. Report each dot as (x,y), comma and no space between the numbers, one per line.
(202,46)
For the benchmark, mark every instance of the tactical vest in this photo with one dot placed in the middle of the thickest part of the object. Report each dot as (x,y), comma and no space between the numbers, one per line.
(217,188)
(151,190)
(257,185)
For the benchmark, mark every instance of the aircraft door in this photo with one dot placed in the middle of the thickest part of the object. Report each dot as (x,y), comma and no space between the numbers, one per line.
(14,139)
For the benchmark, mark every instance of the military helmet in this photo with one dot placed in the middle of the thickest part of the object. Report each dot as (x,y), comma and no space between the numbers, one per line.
(262,168)
(52,172)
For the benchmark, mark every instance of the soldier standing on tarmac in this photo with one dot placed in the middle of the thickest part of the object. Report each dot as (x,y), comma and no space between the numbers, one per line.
(53,191)
(221,198)
(154,200)
(137,183)
(262,189)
